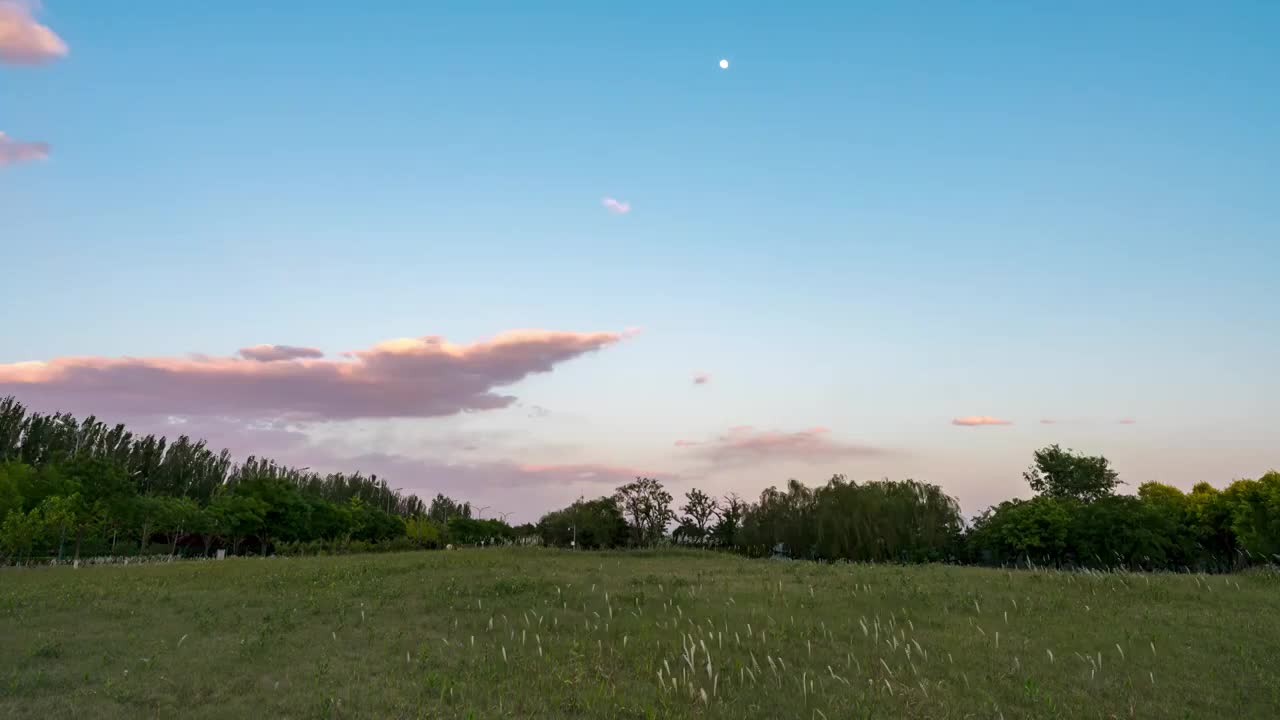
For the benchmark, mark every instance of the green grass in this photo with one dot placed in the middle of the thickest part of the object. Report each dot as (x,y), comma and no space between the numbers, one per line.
(587,634)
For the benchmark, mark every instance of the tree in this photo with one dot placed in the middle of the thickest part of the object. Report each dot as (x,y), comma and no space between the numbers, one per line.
(785,518)
(698,510)
(146,513)
(1209,521)
(106,491)
(1067,474)
(443,508)
(1123,531)
(12,475)
(178,516)
(590,523)
(285,514)
(1021,531)
(1255,515)
(649,506)
(19,532)
(423,532)
(204,525)
(59,513)
(237,516)
(725,531)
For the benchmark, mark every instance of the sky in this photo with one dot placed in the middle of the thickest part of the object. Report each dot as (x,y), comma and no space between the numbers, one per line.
(523,252)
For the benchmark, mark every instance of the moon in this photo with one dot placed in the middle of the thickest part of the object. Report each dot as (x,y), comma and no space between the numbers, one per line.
(724,64)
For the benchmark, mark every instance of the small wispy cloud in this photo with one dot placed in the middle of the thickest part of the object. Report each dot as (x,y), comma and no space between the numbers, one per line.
(23,41)
(17,151)
(747,445)
(701,378)
(1127,421)
(276,353)
(978,420)
(1048,421)
(617,207)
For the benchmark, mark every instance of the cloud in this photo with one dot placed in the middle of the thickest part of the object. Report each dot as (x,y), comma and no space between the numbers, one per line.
(617,207)
(701,378)
(1048,421)
(611,475)
(506,485)
(745,444)
(16,151)
(23,41)
(1127,421)
(274,353)
(411,377)
(976,420)
(523,490)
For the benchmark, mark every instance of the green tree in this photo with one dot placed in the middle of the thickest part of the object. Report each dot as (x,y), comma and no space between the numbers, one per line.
(286,514)
(725,531)
(1021,531)
(12,479)
(1123,531)
(1067,474)
(1255,516)
(699,509)
(588,523)
(60,513)
(781,518)
(1209,519)
(146,514)
(177,517)
(648,505)
(443,508)
(203,523)
(423,532)
(19,532)
(237,516)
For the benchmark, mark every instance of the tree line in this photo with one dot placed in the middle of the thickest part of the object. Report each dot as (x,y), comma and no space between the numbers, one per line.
(1075,519)
(70,489)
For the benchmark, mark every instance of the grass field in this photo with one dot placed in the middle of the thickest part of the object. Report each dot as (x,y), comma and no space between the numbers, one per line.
(541,633)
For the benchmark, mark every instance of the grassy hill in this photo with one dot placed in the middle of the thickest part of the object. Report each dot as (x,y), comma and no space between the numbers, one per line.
(539,633)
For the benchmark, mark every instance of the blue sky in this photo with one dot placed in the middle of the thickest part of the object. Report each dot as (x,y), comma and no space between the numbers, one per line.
(881,217)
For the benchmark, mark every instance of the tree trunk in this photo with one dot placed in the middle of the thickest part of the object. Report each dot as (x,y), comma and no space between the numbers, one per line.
(79,537)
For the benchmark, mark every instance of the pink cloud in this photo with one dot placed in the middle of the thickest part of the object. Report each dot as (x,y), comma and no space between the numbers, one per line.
(16,151)
(523,490)
(526,490)
(745,444)
(1127,421)
(411,377)
(588,472)
(701,378)
(977,420)
(617,207)
(274,353)
(23,41)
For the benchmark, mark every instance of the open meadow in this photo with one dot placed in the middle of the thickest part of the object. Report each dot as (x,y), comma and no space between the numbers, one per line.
(517,633)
